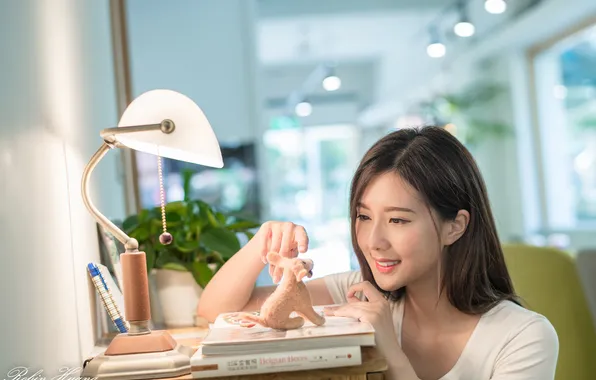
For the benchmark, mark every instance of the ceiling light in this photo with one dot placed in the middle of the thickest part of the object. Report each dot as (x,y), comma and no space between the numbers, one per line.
(495,6)
(331,83)
(464,29)
(436,50)
(303,109)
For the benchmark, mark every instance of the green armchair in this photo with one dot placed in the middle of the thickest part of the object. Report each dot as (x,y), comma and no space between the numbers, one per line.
(547,280)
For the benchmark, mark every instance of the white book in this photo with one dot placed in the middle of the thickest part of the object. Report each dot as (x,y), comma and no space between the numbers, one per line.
(229,336)
(255,363)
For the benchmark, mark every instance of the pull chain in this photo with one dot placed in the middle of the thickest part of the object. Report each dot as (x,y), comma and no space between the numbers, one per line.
(165,238)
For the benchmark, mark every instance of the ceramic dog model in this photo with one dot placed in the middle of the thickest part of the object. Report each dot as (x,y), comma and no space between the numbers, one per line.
(290,296)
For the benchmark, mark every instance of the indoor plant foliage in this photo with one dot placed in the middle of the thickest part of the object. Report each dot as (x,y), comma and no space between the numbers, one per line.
(203,238)
(467,111)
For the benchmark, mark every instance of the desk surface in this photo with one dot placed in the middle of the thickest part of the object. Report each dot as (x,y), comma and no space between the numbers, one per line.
(372,362)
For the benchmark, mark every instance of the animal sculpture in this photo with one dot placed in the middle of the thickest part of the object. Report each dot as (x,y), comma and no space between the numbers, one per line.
(291,295)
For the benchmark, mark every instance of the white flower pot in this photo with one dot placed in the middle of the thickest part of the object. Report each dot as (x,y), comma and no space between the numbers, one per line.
(178,294)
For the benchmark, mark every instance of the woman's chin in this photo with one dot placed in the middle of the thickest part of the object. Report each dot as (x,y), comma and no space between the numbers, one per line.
(388,283)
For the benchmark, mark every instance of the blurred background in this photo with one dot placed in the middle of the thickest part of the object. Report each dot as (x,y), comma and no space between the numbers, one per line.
(296,92)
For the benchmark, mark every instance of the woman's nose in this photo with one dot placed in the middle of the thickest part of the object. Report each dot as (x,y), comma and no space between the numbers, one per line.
(377,239)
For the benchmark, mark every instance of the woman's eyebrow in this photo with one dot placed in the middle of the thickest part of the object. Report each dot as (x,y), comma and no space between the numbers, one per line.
(389,208)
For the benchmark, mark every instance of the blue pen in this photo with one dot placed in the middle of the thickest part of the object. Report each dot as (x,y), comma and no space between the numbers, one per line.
(106,297)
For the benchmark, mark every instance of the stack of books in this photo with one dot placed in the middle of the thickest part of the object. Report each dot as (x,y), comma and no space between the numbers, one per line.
(232,348)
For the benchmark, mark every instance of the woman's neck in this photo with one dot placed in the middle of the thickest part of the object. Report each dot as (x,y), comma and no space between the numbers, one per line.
(425,307)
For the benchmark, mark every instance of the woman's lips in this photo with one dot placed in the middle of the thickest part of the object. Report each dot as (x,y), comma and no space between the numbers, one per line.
(386,266)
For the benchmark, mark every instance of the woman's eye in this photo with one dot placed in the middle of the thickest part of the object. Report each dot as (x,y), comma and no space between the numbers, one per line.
(362,217)
(398,221)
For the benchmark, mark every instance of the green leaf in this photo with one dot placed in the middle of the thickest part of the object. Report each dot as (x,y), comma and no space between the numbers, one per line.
(155,227)
(141,233)
(212,219)
(242,225)
(186,180)
(221,217)
(154,213)
(221,240)
(130,223)
(201,272)
(186,246)
(249,234)
(165,257)
(173,216)
(175,266)
(216,256)
(143,215)
(178,207)
(206,216)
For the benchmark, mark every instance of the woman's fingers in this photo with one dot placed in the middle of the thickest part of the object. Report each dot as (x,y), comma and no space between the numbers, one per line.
(370,292)
(330,310)
(301,238)
(276,236)
(350,310)
(265,240)
(287,239)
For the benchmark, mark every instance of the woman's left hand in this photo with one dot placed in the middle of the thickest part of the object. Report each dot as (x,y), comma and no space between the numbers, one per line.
(375,311)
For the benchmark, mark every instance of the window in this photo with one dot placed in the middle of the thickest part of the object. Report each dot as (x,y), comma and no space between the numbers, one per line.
(308,174)
(565,77)
(232,188)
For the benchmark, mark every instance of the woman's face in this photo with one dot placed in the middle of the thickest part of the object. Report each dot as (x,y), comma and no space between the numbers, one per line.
(396,233)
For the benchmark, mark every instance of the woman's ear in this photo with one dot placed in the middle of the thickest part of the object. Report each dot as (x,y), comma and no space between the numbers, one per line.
(455,228)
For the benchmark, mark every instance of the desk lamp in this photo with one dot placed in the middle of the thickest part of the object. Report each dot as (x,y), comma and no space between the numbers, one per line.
(166,124)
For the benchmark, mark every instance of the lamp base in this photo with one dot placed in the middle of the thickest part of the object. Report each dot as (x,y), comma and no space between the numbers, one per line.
(155,341)
(131,357)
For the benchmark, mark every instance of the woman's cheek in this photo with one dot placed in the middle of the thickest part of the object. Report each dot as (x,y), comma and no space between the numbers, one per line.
(407,241)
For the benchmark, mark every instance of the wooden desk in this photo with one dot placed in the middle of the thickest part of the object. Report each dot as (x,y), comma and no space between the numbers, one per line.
(372,367)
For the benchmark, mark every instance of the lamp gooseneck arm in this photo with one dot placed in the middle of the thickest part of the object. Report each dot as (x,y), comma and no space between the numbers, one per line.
(130,244)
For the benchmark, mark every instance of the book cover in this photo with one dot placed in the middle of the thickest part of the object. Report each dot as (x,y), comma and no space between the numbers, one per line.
(230,334)
(253,363)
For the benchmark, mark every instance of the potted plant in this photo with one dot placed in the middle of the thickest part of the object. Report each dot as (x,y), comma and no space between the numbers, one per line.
(204,238)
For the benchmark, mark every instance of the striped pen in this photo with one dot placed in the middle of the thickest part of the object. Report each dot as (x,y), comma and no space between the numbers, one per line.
(106,297)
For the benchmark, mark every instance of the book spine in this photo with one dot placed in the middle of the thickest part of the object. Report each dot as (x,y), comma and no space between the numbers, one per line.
(248,364)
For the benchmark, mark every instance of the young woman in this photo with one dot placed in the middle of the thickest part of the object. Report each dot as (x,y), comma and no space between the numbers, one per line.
(432,281)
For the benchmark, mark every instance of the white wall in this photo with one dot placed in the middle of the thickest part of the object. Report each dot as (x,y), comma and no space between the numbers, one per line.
(56,94)
(203,49)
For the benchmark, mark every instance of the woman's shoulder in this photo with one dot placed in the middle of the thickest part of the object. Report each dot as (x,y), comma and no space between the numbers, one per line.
(522,333)
(511,341)
(512,316)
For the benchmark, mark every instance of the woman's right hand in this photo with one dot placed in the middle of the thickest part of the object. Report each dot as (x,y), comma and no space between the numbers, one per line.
(286,238)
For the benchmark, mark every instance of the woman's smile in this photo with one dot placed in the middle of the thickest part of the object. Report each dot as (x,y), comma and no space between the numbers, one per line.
(386,265)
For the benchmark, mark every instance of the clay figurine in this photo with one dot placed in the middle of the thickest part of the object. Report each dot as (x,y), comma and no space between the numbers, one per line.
(291,295)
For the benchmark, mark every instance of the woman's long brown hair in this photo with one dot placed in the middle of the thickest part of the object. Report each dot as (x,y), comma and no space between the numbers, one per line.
(442,170)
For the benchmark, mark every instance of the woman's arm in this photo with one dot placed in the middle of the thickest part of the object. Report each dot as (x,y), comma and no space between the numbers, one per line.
(233,286)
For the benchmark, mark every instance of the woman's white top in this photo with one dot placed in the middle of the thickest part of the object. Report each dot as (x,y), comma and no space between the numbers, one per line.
(508,343)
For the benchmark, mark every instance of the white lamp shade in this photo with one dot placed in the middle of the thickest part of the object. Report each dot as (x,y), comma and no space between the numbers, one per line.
(193,139)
